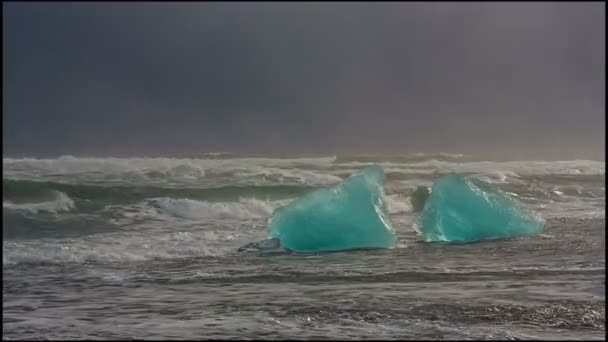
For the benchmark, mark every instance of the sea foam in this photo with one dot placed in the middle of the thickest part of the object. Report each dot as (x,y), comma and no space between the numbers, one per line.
(61,202)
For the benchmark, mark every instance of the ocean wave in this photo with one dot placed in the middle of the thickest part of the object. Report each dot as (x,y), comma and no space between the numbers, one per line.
(518,168)
(245,208)
(177,171)
(408,158)
(492,172)
(498,176)
(121,194)
(289,176)
(61,202)
(314,172)
(70,164)
(245,211)
(157,171)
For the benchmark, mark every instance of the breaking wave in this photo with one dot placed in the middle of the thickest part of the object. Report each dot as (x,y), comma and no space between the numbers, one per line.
(245,208)
(27,190)
(60,202)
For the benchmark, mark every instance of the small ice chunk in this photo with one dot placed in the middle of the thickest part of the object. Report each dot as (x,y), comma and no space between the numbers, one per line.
(267,245)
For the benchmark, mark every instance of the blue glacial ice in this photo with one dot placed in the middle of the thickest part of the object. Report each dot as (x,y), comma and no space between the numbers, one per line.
(353,215)
(466,209)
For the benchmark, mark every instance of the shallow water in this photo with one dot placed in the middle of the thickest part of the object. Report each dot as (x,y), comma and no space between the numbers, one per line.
(147,248)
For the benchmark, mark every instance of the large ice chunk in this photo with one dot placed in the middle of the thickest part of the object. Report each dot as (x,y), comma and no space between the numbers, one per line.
(467,209)
(353,215)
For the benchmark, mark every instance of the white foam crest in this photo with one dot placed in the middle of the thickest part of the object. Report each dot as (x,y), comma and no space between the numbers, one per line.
(442,154)
(454,155)
(510,168)
(153,169)
(61,202)
(289,176)
(264,171)
(69,164)
(496,176)
(398,204)
(406,170)
(177,171)
(245,208)
(167,209)
(388,167)
(495,171)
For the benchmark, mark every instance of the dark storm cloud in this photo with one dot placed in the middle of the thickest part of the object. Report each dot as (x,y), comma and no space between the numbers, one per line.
(518,79)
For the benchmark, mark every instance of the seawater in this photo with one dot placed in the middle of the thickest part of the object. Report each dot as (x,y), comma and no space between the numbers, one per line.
(147,248)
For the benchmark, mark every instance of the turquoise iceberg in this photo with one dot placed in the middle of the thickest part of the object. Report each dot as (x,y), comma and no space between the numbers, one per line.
(466,209)
(353,215)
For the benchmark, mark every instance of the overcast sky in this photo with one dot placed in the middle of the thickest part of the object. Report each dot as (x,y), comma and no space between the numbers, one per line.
(127,79)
